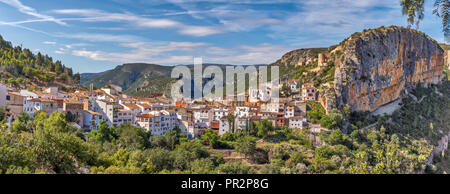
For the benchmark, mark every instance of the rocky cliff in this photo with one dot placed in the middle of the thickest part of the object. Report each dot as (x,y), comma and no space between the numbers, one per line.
(378,66)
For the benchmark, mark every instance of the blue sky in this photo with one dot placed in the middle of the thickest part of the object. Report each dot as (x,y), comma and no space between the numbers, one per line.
(97,35)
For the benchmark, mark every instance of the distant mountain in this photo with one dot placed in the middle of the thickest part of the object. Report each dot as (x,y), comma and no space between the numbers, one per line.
(87,76)
(139,79)
(132,77)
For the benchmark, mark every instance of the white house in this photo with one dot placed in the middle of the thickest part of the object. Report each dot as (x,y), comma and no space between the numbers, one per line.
(201,115)
(28,94)
(293,85)
(242,111)
(218,113)
(296,122)
(224,126)
(241,123)
(308,92)
(289,112)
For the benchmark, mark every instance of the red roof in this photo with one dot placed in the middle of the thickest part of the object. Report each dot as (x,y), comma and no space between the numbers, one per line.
(145,116)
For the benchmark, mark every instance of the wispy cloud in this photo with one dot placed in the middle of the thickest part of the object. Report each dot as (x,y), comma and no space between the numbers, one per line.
(93,37)
(165,53)
(92,15)
(31,11)
(49,43)
(160,52)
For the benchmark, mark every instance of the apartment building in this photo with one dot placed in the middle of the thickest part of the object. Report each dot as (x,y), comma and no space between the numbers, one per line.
(125,117)
(158,122)
(308,92)
(91,119)
(109,111)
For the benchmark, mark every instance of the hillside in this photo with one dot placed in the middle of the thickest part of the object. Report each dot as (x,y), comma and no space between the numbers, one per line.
(139,79)
(132,77)
(19,67)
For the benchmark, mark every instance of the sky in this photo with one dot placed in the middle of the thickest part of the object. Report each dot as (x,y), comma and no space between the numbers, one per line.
(94,36)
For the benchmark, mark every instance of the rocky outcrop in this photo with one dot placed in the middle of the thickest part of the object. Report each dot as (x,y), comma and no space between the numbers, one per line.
(301,57)
(327,97)
(447,59)
(442,145)
(379,66)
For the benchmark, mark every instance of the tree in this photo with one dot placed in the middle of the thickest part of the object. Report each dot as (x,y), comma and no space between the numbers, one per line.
(333,120)
(39,119)
(158,141)
(295,158)
(160,159)
(264,127)
(19,80)
(16,153)
(414,10)
(22,123)
(171,138)
(187,152)
(12,82)
(230,119)
(211,137)
(77,77)
(286,90)
(56,146)
(336,137)
(58,67)
(280,153)
(201,166)
(246,145)
(3,114)
(103,134)
(132,137)
(234,167)
(71,117)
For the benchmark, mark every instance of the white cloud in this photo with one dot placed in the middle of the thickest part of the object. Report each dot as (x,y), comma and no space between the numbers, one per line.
(167,53)
(246,55)
(92,37)
(199,30)
(92,15)
(59,52)
(31,11)
(161,52)
(330,20)
(49,43)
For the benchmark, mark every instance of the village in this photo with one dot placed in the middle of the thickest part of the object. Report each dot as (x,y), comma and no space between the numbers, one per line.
(159,114)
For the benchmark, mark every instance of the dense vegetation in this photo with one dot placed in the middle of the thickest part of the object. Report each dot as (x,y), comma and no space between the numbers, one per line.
(20,67)
(400,143)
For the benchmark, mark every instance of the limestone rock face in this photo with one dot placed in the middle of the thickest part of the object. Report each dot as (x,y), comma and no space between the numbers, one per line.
(381,65)
(447,59)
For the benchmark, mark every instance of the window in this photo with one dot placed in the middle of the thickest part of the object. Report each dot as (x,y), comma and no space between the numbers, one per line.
(8,98)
